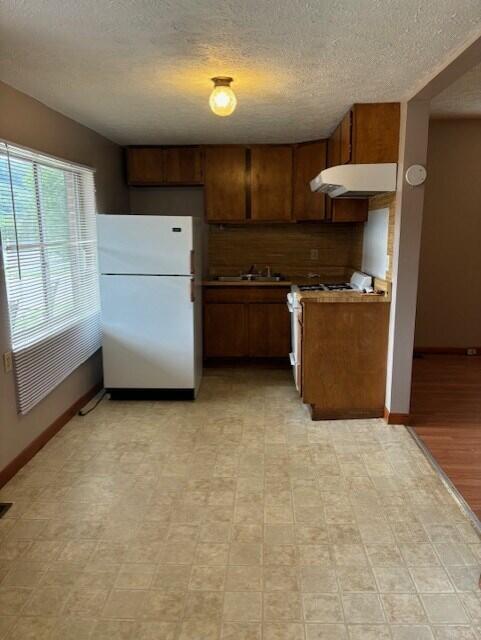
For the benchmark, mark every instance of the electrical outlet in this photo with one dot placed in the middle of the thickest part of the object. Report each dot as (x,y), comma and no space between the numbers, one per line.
(7,361)
(472,351)
(314,254)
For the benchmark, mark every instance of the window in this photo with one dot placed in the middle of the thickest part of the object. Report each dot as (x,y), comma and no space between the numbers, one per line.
(49,249)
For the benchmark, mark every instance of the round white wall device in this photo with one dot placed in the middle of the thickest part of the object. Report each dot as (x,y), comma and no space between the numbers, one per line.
(415,175)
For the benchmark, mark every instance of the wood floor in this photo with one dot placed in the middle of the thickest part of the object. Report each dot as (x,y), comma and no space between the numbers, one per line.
(446,414)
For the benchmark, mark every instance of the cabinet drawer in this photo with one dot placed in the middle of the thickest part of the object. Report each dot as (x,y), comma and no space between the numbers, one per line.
(245,294)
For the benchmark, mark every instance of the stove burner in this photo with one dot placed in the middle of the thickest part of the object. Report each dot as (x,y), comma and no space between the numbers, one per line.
(337,286)
(343,286)
(311,287)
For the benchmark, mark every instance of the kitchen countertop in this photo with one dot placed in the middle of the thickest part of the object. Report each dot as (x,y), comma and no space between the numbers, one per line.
(340,296)
(246,283)
(305,296)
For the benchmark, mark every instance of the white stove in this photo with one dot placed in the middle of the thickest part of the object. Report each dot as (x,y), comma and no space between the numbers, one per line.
(359,281)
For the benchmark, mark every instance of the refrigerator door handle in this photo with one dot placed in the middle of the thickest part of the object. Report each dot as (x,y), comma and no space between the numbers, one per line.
(192,262)
(192,290)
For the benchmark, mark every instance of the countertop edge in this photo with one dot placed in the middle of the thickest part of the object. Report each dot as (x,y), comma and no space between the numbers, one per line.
(246,283)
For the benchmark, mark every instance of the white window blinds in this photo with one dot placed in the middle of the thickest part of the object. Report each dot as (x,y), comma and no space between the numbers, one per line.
(49,248)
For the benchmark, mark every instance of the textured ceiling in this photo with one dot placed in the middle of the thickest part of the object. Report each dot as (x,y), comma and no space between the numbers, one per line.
(138,71)
(462,99)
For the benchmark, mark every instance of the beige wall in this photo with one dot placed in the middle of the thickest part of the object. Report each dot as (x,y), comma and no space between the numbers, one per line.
(449,294)
(27,122)
(169,201)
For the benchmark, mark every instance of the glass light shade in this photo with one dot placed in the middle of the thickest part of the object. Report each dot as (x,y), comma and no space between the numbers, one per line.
(222,100)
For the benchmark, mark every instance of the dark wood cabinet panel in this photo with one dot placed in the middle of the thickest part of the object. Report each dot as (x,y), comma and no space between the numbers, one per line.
(225,183)
(344,348)
(345,141)
(246,293)
(163,166)
(375,132)
(248,321)
(271,182)
(334,148)
(225,330)
(145,166)
(183,165)
(349,210)
(368,133)
(269,331)
(309,160)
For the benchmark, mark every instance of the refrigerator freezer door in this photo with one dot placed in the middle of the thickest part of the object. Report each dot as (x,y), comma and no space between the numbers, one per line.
(148,332)
(136,244)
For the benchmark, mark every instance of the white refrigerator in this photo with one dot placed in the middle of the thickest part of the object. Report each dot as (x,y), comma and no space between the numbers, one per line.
(150,288)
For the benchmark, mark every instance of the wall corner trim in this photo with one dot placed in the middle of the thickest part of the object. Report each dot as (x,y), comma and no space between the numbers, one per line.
(41,440)
(396,418)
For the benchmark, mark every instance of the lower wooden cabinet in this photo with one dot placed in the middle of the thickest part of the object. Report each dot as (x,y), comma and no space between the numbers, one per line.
(343,358)
(225,330)
(269,330)
(248,322)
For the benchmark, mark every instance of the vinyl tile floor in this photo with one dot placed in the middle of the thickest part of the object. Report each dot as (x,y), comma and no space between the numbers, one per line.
(237,518)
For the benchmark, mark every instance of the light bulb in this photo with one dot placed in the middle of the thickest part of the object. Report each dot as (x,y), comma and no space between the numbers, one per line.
(222,100)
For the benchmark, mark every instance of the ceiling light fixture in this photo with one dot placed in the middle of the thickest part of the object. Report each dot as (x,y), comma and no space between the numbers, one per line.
(222,100)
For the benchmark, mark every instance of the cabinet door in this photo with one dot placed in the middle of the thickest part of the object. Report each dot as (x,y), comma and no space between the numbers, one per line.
(334,148)
(144,166)
(225,330)
(349,210)
(375,132)
(271,182)
(225,184)
(309,160)
(182,165)
(269,331)
(345,139)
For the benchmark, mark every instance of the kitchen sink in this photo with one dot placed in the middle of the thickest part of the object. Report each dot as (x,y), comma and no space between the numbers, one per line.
(229,278)
(267,278)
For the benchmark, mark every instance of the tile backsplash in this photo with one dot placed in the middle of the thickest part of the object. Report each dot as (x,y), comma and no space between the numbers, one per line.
(290,249)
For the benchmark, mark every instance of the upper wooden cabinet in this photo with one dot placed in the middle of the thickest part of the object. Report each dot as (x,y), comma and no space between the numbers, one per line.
(182,165)
(334,148)
(144,166)
(339,144)
(225,183)
(348,209)
(309,160)
(164,166)
(345,137)
(368,133)
(271,182)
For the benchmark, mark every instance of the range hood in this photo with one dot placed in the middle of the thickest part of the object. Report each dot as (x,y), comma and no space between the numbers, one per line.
(356,180)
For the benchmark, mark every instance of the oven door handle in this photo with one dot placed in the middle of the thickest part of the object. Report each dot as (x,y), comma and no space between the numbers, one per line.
(290,302)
